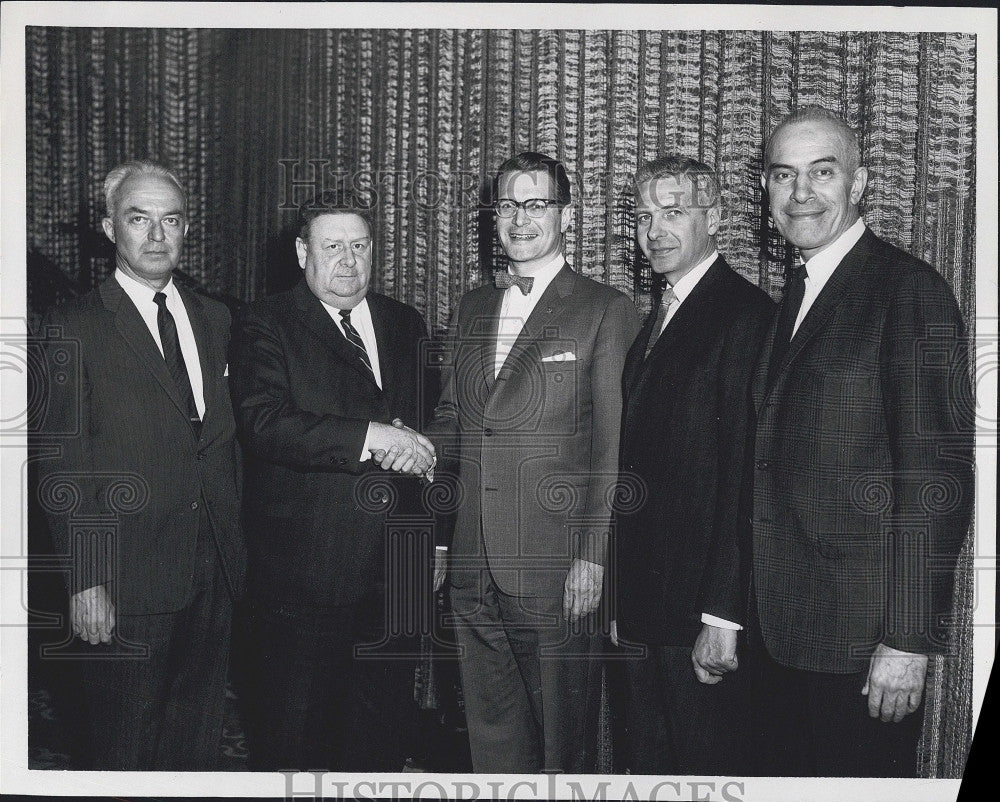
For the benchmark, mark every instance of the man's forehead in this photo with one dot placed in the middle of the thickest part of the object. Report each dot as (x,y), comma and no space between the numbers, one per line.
(812,139)
(530,184)
(340,224)
(669,191)
(139,191)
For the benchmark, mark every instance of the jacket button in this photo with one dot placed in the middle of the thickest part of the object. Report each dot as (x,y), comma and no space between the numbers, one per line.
(761,464)
(194,505)
(201,456)
(487,432)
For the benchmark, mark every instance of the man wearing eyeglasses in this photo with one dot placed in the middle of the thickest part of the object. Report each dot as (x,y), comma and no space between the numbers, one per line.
(529,420)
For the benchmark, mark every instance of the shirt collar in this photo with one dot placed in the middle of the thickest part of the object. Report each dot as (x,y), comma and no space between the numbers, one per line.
(821,266)
(359,312)
(139,292)
(544,275)
(687,282)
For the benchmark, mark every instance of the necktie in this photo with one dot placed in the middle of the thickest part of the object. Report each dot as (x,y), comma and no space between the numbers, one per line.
(786,320)
(661,314)
(355,339)
(504,279)
(172,355)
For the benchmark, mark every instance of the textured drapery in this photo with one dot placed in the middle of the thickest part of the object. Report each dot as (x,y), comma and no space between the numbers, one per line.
(255,120)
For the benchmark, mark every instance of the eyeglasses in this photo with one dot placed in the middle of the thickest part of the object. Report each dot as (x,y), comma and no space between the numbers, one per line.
(533,207)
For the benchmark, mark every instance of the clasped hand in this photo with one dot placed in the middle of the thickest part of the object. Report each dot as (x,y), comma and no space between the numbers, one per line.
(399,448)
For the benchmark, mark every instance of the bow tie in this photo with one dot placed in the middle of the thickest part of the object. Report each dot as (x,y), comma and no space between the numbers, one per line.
(504,280)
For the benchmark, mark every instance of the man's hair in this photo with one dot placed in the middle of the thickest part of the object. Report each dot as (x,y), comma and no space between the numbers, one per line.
(529,162)
(133,168)
(335,202)
(704,182)
(818,114)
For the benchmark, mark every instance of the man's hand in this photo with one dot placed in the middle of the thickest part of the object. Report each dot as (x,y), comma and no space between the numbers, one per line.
(92,615)
(397,447)
(714,653)
(440,567)
(582,592)
(895,683)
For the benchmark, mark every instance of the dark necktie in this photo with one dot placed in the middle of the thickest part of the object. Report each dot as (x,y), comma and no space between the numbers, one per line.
(505,279)
(355,339)
(661,314)
(172,355)
(786,320)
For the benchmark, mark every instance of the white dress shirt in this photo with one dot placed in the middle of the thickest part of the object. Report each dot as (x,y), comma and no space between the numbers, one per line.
(682,289)
(821,267)
(142,297)
(361,319)
(517,307)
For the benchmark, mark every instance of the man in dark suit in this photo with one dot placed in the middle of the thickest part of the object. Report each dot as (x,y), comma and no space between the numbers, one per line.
(862,473)
(685,433)
(319,374)
(147,437)
(529,418)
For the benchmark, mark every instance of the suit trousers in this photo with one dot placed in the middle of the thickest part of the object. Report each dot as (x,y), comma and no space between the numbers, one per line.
(321,702)
(815,724)
(160,707)
(678,725)
(531,682)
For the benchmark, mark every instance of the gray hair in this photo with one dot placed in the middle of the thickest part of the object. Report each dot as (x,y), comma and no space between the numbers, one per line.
(705,183)
(814,114)
(129,169)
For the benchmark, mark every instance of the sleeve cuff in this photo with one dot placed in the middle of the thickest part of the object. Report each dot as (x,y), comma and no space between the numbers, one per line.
(715,621)
(365,453)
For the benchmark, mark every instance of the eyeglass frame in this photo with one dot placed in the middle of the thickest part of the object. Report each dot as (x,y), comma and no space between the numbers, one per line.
(549,202)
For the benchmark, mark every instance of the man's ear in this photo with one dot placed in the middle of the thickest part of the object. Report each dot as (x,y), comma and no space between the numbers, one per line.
(859,184)
(714,218)
(300,249)
(109,228)
(566,217)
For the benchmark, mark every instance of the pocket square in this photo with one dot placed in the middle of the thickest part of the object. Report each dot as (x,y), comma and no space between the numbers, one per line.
(562,356)
(226,371)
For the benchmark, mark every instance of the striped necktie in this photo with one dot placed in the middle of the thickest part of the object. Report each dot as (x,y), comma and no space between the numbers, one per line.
(355,339)
(170,342)
(661,314)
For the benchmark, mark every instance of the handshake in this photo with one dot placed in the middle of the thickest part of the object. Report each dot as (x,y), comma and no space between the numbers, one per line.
(399,448)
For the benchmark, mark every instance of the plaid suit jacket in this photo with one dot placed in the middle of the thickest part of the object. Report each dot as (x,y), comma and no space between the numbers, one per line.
(863,466)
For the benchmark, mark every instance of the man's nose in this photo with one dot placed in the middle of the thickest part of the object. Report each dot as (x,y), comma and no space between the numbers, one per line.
(156,233)
(520,216)
(657,228)
(348,258)
(802,189)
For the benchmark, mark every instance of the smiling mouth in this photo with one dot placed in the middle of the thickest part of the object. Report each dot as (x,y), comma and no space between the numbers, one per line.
(525,237)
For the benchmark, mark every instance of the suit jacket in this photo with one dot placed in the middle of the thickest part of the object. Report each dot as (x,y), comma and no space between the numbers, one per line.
(536,448)
(863,466)
(315,514)
(681,528)
(130,468)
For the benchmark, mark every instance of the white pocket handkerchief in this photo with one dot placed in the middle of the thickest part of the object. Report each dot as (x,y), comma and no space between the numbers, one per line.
(226,371)
(562,356)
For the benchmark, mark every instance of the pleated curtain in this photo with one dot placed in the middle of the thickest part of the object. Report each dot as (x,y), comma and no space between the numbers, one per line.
(254,120)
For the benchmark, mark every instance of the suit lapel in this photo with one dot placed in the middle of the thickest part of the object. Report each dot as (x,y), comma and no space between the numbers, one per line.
(546,312)
(486,325)
(384,343)
(133,329)
(318,321)
(196,315)
(844,279)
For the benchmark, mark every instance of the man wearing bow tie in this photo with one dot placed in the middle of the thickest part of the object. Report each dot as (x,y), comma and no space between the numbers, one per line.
(319,374)
(863,468)
(529,419)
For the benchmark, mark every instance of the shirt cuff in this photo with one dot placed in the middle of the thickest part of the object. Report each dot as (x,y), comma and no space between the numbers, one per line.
(365,453)
(722,623)
(441,548)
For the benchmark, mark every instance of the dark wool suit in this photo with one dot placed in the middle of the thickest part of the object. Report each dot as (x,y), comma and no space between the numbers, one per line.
(174,560)
(536,450)
(682,533)
(863,473)
(317,522)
